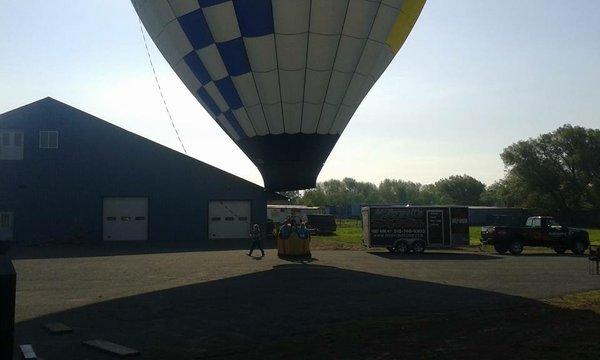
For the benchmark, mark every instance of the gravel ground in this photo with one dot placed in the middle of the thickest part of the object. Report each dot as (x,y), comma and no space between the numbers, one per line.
(181,303)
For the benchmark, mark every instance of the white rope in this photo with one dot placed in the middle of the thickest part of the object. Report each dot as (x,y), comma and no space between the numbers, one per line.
(159,88)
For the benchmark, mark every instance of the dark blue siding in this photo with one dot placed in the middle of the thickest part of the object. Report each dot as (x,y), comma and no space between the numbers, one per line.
(57,194)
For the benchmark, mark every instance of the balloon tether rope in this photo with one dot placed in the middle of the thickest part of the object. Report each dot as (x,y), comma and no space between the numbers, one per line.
(159,88)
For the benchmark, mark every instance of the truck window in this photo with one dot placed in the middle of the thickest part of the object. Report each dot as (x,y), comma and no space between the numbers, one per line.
(529,222)
(536,222)
(552,223)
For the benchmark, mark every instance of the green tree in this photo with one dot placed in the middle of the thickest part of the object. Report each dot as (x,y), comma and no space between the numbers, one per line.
(494,194)
(561,169)
(430,195)
(293,195)
(460,190)
(399,192)
(510,191)
(358,192)
(341,192)
(313,197)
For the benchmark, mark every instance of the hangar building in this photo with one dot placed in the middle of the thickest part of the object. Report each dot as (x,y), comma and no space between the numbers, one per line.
(67,175)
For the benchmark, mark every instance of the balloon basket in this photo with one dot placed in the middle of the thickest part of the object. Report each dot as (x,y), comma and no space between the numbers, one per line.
(293,246)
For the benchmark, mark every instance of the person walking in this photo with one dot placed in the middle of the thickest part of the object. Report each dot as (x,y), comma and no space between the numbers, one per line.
(255,235)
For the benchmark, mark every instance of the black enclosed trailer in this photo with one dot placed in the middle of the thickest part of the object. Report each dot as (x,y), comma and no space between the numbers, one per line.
(414,228)
(321,223)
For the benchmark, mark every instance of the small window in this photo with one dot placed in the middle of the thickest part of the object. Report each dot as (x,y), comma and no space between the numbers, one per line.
(11,145)
(229,218)
(18,140)
(5,139)
(111,218)
(243,218)
(48,139)
(215,219)
(140,218)
(4,221)
(125,218)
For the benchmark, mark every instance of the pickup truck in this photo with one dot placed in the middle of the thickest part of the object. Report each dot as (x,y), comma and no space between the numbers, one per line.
(541,231)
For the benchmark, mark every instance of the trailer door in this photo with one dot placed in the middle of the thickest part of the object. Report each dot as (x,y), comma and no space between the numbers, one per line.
(435,227)
(366,227)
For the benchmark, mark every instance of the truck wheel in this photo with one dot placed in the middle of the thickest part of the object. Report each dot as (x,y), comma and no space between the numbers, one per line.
(578,247)
(500,248)
(516,247)
(401,247)
(391,249)
(560,249)
(418,247)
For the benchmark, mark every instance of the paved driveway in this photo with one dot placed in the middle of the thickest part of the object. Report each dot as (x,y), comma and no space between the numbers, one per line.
(173,305)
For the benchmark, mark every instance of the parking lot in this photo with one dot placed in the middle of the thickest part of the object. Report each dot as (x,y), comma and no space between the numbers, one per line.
(181,303)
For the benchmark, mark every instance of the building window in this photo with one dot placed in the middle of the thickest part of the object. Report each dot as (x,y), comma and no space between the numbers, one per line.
(11,145)
(4,221)
(48,139)
(5,139)
(18,139)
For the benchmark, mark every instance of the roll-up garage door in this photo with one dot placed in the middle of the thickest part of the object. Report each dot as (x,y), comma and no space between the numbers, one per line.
(125,218)
(229,219)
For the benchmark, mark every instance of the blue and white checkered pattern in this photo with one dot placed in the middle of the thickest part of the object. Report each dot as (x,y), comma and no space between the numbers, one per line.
(264,67)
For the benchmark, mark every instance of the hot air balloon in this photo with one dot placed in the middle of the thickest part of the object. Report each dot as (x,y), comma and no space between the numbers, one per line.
(281,77)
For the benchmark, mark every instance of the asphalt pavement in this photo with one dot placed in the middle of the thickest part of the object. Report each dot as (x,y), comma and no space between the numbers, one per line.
(179,303)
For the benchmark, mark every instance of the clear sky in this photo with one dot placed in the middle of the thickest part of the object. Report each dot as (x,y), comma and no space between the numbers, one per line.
(473,77)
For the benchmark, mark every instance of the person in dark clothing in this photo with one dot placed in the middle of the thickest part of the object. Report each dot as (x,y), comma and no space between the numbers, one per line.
(255,235)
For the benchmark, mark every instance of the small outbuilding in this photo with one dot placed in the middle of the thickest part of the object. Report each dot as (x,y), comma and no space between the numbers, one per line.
(494,215)
(65,174)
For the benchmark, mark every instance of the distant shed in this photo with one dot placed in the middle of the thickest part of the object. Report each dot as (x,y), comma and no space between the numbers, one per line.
(280,213)
(492,215)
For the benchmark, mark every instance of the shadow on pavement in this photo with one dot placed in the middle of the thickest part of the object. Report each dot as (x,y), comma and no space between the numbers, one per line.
(435,256)
(113,248)
(526,254)
(298,259)
(229,316)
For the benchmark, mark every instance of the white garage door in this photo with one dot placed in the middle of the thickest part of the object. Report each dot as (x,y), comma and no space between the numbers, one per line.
(125,218)
(228,219)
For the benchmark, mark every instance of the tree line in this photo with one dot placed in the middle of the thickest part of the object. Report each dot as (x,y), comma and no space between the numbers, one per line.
(557,171)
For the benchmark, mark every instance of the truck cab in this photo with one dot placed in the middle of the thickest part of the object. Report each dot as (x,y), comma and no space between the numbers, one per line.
(544,230)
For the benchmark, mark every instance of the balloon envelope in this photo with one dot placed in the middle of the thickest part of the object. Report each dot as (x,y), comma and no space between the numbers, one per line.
(281,77)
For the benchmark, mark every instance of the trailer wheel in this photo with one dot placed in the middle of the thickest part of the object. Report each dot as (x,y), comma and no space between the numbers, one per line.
(401,247)
(418,247)
(500,248)
(516,247)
